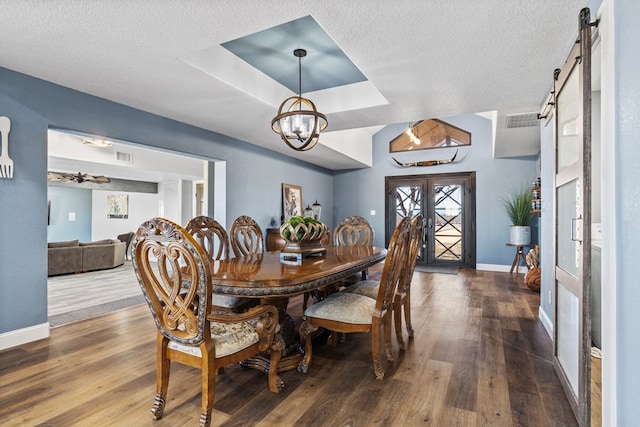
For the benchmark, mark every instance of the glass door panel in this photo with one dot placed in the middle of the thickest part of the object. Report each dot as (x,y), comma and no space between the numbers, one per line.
(447,220)
(568,121)
(408,201)
(568,351)
(568,248)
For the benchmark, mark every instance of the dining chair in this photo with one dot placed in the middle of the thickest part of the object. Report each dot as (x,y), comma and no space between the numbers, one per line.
(187,331)
(354,231)
(346,312)
(246,236)
(402,297)
(213,238)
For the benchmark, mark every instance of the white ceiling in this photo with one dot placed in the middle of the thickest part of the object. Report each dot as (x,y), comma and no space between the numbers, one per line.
(428,59)
(67,153)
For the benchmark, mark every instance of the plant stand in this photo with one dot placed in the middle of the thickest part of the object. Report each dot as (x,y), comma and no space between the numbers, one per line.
(519,255)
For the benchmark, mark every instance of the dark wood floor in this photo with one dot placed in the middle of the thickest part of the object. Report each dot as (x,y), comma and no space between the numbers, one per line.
(480,357)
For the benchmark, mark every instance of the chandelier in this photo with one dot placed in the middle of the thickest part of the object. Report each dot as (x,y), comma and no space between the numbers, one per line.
(298,122)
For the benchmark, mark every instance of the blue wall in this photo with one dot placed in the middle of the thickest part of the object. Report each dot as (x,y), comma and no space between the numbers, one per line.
(254,178)
(627,129)
(359,192)
(64,200)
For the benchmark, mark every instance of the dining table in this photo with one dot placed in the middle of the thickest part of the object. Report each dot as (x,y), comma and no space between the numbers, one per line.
(274,279)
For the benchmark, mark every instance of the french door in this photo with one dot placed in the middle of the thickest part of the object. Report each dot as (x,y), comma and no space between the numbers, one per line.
(572,223)
(447,204)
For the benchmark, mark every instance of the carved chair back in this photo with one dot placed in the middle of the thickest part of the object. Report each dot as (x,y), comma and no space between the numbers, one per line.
(413,252)
(211,236)
(394,264)
(402,301)
(246,236)
(173,271)
(353,231)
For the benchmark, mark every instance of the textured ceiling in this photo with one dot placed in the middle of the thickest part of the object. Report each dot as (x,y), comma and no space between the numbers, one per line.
(425,59)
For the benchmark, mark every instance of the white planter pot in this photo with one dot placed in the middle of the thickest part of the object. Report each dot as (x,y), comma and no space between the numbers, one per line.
(520,235)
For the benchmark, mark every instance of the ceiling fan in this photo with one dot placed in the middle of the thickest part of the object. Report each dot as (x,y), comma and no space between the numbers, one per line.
(79,178)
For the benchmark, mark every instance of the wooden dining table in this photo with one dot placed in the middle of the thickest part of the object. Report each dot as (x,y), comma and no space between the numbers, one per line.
(274,281)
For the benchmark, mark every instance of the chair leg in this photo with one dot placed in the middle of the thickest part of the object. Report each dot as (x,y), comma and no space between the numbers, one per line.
(162,378)
(276,385)
(407,313)
(375,350)
(397,318)
(305,331)
(386,329)
(209,372)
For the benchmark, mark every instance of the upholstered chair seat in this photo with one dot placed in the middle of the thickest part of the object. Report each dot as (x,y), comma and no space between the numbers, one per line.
(368,288)
(228,338)
(345,307)
(229,301)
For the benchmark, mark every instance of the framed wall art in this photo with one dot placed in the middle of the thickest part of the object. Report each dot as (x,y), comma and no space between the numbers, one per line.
(118,206)
(291,200)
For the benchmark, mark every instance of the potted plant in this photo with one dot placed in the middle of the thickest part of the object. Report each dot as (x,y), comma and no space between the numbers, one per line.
(518,207)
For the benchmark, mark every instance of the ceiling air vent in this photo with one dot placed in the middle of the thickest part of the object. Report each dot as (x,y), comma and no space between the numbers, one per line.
(522,120)
(121,156)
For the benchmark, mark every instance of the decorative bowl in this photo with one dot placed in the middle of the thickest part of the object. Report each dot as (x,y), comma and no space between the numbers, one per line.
(302,231)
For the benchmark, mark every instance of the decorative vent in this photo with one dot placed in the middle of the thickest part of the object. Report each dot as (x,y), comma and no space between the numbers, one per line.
(523,120)
(124,157)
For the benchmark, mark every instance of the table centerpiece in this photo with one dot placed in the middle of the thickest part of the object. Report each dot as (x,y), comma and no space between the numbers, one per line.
(302,236)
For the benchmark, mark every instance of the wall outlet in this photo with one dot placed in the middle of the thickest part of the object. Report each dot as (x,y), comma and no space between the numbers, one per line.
(372,213)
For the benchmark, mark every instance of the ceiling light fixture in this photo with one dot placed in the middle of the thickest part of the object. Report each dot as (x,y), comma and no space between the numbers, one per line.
(299,128)
(101,143)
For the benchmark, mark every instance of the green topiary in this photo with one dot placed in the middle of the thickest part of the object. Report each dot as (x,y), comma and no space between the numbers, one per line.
(518,206)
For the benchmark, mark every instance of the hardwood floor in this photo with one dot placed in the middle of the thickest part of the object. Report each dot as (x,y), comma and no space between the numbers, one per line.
(479,357)
(70,292)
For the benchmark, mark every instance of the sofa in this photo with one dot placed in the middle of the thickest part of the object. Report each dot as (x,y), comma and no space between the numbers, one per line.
(73,256)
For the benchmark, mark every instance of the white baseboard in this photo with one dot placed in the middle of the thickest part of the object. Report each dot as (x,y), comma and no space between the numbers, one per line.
(23,336)
(494,267)
(546,322)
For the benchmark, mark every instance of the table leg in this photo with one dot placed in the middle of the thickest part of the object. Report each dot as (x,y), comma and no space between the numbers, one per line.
(294,349)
